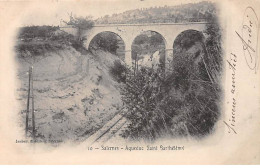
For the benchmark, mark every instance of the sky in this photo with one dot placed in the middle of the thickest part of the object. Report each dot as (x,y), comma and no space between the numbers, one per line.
(51,12)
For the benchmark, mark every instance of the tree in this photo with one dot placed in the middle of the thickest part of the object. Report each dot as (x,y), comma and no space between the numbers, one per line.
(107,41)
(81,24)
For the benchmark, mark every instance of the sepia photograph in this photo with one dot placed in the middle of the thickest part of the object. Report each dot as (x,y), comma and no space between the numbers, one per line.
(145,76)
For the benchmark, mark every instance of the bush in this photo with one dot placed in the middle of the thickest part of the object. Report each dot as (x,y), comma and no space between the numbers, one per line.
(30,32)
(141,95)
(177,104)
(81,23)
(118,71)
(38,40)
(106,41)
(183,102)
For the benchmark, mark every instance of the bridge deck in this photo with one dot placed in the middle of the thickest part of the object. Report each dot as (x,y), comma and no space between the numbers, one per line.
(142,24)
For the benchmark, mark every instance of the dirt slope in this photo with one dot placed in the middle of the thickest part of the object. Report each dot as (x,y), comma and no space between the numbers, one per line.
(74,93)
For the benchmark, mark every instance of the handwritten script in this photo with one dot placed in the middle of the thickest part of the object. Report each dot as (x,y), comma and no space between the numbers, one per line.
(249,38)
(232,63)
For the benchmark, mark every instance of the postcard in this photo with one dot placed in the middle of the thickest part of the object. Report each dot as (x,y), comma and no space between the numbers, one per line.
(130,82)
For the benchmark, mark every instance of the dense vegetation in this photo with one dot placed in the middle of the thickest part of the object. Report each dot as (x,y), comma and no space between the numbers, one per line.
(81,24)
(106,41)
(35,41)
(196,12)
(118,71)
(182,102)
(43,32)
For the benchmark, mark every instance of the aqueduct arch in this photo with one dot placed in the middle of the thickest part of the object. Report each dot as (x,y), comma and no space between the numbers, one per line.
(128,32)
(91,38)
(107,33)
(190,34)
(149,37)
(150,30)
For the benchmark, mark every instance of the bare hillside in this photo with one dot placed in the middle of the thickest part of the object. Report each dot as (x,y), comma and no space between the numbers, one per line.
(74,93)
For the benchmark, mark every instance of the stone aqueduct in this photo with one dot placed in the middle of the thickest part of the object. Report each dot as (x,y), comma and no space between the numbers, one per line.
(128,32)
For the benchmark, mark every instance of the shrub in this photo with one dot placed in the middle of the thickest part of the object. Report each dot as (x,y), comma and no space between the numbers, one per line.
(81,23)
(140,96)
(183,102)
(30,32)
(177,104)
(118,71)
(106,41)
